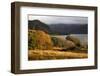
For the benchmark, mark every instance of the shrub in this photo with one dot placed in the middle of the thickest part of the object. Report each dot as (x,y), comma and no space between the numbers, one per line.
(38,39)
(57,42)
(32,40)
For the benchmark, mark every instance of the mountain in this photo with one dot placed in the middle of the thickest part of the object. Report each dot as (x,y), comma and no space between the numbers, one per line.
(38,25)
(69,28)
(60,29)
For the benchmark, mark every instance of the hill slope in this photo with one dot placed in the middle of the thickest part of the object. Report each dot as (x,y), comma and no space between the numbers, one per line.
(38,25)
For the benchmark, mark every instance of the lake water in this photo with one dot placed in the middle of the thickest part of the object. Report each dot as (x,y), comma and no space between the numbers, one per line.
(82,37)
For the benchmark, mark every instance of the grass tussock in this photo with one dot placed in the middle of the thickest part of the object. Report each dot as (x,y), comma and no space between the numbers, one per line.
(50,54)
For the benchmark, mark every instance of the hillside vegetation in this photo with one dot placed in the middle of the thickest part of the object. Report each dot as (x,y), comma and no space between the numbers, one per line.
(39,40)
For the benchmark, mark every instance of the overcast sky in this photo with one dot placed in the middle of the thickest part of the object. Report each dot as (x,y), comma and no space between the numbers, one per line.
(59,19)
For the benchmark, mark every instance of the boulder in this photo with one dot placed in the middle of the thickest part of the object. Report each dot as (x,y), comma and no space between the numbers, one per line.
(70,45)
(73,39)
(84,45)
(65,44)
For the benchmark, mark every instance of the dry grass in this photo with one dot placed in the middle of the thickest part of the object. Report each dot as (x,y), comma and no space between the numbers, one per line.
(51,54)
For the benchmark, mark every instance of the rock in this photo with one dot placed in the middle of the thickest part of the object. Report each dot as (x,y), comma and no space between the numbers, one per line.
(73,39)
(65,44)
(84,45)
(70,44)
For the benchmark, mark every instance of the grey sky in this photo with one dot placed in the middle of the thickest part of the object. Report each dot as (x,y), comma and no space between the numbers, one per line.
(59,19)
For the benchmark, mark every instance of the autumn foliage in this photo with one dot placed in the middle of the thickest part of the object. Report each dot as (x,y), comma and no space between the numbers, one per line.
(38,39)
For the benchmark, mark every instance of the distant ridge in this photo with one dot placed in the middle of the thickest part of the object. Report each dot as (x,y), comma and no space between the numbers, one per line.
(69,28)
